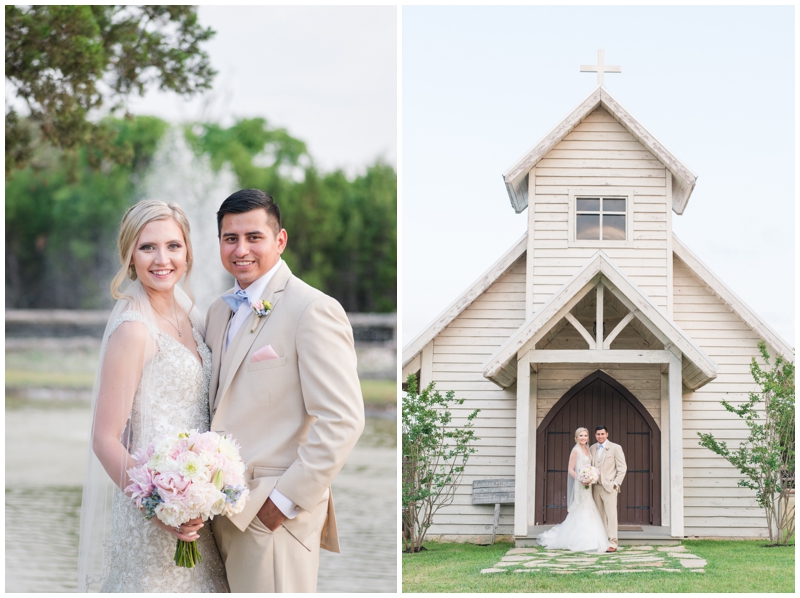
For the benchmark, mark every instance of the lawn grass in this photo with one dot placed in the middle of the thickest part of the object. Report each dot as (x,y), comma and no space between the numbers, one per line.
(379,391)
(55,379)
(733,566)
(48,368)
(75,369)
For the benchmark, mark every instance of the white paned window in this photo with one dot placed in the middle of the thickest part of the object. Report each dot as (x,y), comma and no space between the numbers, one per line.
(600,219)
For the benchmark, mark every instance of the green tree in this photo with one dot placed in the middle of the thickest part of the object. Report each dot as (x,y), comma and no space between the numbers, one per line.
(342,231)
(766,459)
(65,62)
(62,219)
(62,215)
(435,453)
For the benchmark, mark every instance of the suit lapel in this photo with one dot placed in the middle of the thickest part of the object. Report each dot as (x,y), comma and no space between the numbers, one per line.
(217,346)
(244,339)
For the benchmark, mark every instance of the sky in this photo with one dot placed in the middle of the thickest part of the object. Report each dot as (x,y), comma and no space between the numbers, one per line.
(328,74)
(482,85)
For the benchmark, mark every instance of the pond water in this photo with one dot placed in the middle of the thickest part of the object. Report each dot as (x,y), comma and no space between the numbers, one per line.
(45,460)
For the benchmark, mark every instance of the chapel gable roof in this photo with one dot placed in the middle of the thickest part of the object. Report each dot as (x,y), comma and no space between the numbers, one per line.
(474,291)
(698,367)
(516,177)
(729,298)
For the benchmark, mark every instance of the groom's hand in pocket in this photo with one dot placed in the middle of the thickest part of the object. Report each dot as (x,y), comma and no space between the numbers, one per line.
(270,515)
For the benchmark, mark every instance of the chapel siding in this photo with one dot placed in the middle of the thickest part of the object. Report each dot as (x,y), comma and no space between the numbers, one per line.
(600,152)
(458,355)
(713,503)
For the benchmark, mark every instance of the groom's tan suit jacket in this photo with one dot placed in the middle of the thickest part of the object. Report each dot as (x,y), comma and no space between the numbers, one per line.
(296,417)
(613,468)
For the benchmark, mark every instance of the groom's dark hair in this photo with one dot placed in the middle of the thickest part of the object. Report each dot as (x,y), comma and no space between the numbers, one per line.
(598,428)
(247,200)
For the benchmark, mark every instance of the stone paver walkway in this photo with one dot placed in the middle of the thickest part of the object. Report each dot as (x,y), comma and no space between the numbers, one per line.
(627,559)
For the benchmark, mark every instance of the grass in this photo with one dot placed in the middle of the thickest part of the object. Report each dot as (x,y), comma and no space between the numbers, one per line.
(75,369)
(379,391)
(733,566)
(21,378)
(44,368)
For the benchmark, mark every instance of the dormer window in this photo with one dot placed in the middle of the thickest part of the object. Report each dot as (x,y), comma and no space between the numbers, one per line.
(600,217)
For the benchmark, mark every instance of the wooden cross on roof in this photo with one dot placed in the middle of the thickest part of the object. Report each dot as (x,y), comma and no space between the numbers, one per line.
(600,68)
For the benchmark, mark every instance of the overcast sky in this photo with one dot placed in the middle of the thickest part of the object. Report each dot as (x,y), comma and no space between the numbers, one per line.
(481,85)
(326,73)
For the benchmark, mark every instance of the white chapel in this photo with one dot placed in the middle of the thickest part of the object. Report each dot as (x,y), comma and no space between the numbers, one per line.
(599,314)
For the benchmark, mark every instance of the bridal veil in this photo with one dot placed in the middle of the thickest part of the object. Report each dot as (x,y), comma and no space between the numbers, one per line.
(95,522)
(571,482)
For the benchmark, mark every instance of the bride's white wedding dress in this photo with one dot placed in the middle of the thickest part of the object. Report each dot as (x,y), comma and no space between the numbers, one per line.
(582,530)
(138,554)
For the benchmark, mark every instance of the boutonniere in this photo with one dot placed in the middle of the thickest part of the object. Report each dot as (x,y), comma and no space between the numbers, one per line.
(261,308)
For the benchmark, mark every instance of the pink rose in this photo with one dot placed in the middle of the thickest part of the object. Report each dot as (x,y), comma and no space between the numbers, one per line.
(176,451)
(171,485)
(205,443)
(141,485)
(143,455)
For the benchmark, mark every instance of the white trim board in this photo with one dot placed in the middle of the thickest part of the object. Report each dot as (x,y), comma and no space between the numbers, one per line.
(727,296)
(600,269)
(475,290)
(515,178)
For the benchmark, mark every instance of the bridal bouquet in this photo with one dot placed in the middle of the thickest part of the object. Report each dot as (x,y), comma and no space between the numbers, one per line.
(588,475)
(185,476)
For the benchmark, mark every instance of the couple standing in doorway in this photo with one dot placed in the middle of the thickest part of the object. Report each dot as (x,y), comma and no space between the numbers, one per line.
(591,523)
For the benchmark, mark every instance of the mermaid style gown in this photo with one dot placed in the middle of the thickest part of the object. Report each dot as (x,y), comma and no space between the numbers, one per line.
(138,554)
(582,530)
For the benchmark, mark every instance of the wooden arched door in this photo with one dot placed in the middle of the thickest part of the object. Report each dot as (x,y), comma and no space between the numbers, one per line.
(597,400)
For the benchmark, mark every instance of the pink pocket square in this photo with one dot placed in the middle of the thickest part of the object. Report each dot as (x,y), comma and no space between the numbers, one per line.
(264,354)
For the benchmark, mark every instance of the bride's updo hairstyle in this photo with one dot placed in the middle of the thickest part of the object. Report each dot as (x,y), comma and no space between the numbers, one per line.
(578,431)
(134,220)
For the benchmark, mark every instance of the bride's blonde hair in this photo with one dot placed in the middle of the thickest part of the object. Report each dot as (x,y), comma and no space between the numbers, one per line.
(578,431)
(135,219)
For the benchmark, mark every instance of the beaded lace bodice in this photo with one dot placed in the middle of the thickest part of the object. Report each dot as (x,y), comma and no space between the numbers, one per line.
(582,494)
(172,395)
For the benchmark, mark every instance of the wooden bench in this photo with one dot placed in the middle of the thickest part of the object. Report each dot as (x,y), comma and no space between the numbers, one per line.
(493,492)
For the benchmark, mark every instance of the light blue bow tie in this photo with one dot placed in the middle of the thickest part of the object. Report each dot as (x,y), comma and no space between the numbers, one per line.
(235,300)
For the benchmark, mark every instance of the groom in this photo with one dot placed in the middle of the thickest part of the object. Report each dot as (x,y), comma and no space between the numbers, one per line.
(284,385)
(610,460)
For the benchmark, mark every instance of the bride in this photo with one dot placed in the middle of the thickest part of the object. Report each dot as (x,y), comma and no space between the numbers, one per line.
(152,379)
(582,530)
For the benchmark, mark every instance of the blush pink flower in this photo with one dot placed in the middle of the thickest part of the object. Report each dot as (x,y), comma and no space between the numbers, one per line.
(171,485)
(143,455)
(141,484)
(204,443)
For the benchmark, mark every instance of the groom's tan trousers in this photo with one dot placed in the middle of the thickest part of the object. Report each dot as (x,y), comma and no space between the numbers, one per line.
(607,505)
(258,560)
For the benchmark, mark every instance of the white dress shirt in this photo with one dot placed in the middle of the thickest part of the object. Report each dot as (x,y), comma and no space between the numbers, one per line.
(254,292)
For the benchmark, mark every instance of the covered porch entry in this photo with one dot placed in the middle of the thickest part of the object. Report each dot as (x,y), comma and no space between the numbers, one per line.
(595,400)
(578,360)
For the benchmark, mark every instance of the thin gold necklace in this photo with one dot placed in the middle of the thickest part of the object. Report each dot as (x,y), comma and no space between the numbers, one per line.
(168,320)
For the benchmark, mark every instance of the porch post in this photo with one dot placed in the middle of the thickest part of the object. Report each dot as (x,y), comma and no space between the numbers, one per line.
(521,456)
(665,442)
(532,445)
(675,445)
